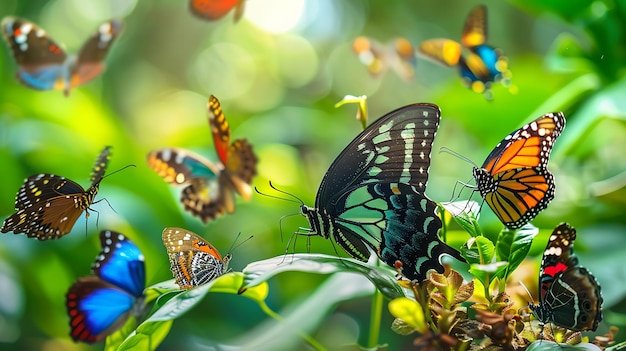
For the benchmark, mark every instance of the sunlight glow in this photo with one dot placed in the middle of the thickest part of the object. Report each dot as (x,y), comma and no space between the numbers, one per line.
(275,16)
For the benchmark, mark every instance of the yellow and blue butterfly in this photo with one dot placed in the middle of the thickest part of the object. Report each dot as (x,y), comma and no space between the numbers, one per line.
(100,304)
(482,65)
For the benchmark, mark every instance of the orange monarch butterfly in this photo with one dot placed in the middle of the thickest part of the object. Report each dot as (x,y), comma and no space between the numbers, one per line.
(514,179)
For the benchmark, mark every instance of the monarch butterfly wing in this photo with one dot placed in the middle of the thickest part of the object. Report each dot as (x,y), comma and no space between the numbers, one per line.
(193,260)
(219,128)
(475,29)
(40,60)
(89,62)
(529,146)
(444,51)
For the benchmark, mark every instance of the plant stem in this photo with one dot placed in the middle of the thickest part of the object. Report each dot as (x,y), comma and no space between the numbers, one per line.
(375,318)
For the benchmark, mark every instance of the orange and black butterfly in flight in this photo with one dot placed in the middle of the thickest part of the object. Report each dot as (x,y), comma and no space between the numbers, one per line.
(399,55)
(514,179)
(215,9)
(44,65)
(209,187)
(48,205)
(482,65)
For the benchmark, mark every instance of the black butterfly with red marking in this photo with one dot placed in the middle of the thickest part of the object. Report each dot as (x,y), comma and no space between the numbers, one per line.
(569,296)
(48,205)
(44,65)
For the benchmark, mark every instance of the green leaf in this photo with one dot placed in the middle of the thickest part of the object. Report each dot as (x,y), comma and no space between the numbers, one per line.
(410,312)
(478,250)
(513,246)
(148,336)
(617,347)
(486,272)
(382,277)
(466,214)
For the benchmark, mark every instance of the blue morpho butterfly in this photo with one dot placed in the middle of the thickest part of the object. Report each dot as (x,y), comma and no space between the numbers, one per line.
(372,197)
(100,304)
(44,65)
(482,65)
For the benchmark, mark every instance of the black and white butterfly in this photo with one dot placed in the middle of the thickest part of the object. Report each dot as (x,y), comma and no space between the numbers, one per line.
(44,65)
(372,197)
(569,296)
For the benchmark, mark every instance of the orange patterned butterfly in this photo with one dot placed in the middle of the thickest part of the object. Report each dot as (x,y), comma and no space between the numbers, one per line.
(209,188)
(399,55)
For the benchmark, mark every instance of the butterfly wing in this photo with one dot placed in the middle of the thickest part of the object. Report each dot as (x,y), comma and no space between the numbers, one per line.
(100,166)
(193,260)
(41,61)
(121,263)
(96,309)
(216,9)
(514,179)
(475,29)
(47,207)
(89,62)
(372,197)
(444,51)
(219,128)
(569,295)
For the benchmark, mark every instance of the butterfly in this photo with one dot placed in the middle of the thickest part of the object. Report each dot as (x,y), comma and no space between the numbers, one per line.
(193,260)
(378,58)
(514,179)
(482,65)
(215,9)
(209,188)
(101,303)
(372,198)
(48,205)
(44,65)
(569,296)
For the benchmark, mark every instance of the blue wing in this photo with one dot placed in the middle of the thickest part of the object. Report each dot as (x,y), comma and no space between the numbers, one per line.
(97,308)
(121,263)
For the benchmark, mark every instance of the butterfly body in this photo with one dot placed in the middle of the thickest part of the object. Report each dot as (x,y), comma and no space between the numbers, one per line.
(479,64)
(514,180)
(372,199)
(44,65)
(209,188)
(101,303)
(47,206)
(193,260)
(569,295)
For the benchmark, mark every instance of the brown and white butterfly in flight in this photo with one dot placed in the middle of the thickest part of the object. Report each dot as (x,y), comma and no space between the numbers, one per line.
(209,188)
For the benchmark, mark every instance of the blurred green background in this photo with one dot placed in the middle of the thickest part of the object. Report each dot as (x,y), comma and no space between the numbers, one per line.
(278,73)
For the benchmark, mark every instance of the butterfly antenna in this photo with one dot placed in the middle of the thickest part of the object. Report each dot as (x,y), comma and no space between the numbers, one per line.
(297,199)
(233,246)
(447,150)
(116,171)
